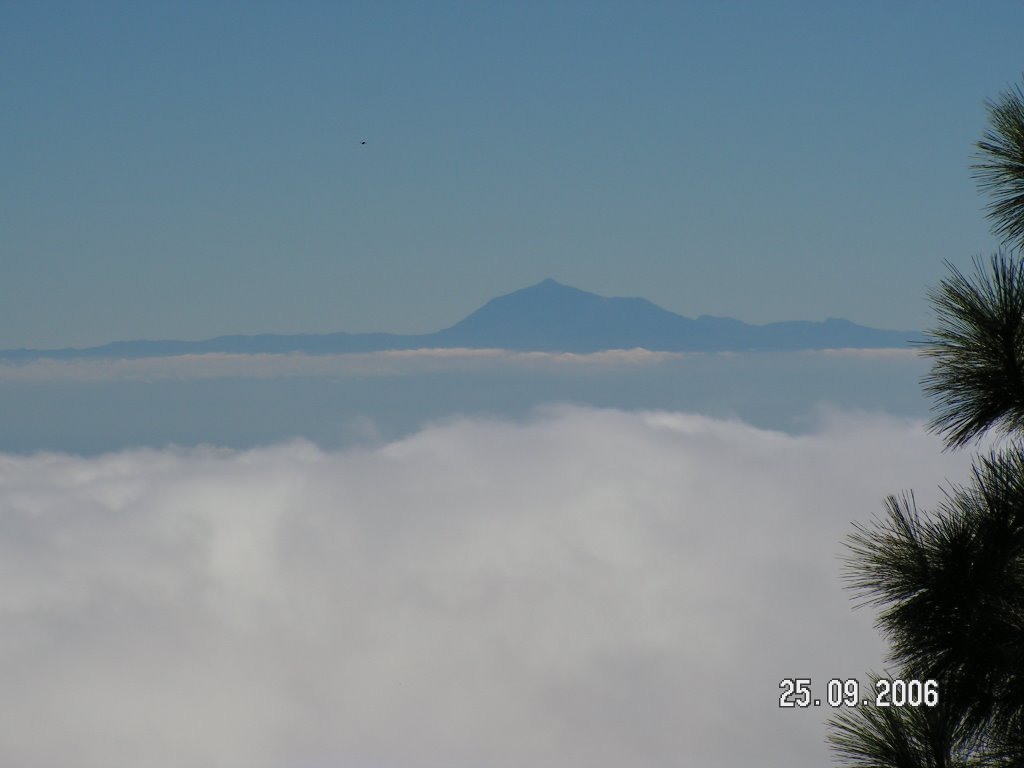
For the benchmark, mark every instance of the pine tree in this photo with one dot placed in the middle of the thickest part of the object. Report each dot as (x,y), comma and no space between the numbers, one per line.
(949,583)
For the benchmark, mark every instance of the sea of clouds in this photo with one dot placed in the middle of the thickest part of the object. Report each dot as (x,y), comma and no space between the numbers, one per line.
(215,365)
(338,401)
(580,587)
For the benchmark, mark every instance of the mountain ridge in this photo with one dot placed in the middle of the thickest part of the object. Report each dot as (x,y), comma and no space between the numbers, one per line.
(546,317)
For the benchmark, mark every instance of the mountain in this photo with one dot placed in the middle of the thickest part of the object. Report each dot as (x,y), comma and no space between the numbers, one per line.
(548,316)
(551,316)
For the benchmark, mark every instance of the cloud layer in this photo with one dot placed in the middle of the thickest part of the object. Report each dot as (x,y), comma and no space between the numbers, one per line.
(387,363)
(218,365)
(584,588)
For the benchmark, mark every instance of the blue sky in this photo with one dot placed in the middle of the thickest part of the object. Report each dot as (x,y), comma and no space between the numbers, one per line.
(195,169)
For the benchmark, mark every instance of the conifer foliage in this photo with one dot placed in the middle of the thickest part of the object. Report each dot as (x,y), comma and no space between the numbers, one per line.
(949,583)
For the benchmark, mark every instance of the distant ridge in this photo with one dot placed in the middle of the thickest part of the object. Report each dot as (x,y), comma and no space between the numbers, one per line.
(546,317)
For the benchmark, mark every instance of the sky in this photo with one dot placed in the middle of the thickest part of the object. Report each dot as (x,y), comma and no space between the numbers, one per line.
(196,169)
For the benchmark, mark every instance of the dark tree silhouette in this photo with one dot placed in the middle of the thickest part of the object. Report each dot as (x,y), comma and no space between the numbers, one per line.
(977,379)
(1000,167)
(949,584)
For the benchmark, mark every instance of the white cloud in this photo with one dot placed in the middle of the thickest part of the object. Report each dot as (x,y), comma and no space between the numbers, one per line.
(224,365)
(220,365)
(588,588)
(888,353)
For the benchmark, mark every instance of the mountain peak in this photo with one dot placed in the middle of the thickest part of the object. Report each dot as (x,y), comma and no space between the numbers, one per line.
(549,284)
(553,316)
(546,316)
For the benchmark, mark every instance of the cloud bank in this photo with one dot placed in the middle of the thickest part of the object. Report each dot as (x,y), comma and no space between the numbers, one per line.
(218,365)
(387,363)
(583,588)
